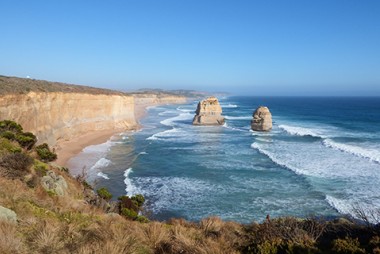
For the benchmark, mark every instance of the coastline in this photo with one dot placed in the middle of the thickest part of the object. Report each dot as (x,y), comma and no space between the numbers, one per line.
(67,149)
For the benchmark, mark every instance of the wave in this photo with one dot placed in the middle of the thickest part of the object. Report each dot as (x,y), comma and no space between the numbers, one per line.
(181,117)
(300,131)
(229,105)
(238,117)
(273,158)
(130,188)
(167,112)
(371,154)
(102,163)
(185,110)
(143,153)
(225,125)
(164,134)
(101,174)
(100,148)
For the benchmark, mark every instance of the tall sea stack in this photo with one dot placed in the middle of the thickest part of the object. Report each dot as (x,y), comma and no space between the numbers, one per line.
(209,112)
(262,119)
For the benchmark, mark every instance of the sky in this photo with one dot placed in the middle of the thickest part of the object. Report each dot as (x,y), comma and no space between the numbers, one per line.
(262,47)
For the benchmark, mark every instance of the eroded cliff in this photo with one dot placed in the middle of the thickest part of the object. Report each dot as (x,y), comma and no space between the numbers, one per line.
(56,116)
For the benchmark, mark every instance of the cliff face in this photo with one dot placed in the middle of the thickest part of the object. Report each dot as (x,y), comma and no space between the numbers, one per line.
(155,99)
(209,112)
(56,116)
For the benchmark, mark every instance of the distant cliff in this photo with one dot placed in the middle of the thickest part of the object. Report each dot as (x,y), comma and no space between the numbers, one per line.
(55,111)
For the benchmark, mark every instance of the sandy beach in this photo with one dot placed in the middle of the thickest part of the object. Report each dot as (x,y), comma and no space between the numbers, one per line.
(70,148)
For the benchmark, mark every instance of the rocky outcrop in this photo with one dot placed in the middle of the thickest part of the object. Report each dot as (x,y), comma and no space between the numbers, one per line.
(209,112)
(7,215)
(262,119)
(56,184)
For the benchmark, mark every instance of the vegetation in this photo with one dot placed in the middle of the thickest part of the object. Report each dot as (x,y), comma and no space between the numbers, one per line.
(45,154)
(104,194)
(83,222)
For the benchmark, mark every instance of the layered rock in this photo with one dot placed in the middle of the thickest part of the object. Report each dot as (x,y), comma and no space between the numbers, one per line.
(209,112)
(55,116)
(262,119)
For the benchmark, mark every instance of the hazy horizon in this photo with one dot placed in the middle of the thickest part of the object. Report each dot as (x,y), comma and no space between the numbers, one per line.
(277,48)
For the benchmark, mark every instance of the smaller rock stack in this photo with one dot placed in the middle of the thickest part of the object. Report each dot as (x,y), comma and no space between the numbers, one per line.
(262,119)
(209,112)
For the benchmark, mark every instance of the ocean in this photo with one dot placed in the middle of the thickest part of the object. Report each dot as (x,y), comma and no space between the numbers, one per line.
(322,158)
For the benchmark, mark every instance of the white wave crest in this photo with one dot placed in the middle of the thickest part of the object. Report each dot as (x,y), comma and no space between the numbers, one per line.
(300,131)
(185,110)
(371,154)
(229,105)
(143,153)
(164,134)
(238,117)
(181,117)
(273,158)
(101,174)
(130,188)
(102,163)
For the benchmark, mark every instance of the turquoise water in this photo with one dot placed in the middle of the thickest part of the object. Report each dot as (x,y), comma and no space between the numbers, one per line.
(321,158)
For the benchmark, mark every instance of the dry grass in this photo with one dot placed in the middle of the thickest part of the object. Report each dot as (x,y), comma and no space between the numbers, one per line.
(14,85)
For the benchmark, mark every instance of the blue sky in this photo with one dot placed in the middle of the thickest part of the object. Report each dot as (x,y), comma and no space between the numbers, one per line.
(287,47)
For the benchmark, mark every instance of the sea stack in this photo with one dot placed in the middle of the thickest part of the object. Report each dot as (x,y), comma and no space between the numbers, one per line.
(262,119)
(209,112)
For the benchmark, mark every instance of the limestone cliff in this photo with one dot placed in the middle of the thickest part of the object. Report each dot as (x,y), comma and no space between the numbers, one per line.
(209,112)
(55,116)
(262,119)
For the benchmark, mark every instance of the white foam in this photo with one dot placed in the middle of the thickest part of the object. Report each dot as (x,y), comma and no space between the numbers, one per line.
(102,163)
(101,174)
(100,148)
(125,137)
(167,112)
(185,110)
(300,131)
(229,105)
(143,153)
(238,117)
(276,160)
(225,125)
(371,154)
(181,117)
(130,188)
(164,134)
(353,209)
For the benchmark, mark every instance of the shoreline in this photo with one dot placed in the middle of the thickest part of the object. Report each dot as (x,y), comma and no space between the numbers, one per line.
(67,149)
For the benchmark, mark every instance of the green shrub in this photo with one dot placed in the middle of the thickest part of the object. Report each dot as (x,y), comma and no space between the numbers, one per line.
(40,168)
(347,245)
(127,202)
(7,146)
(129,214)
(142,219)
(26,140)
(45,154)
(7,125)
(8,135)
(139,200)
(104,194)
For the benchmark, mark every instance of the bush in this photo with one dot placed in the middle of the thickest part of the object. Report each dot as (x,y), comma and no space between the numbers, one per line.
(126,202)
(15,165)
(139,200)
(26,140)
(104,194)
(129,214)
(8,135)
(347,245)
(142,219)
(45,154)
(7,125)
(40,168)
(8,146)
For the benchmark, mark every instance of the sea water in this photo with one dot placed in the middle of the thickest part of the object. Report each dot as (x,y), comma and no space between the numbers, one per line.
(322,158)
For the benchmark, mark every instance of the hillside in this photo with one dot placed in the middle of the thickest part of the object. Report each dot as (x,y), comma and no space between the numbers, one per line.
(15,85)
(43,209)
